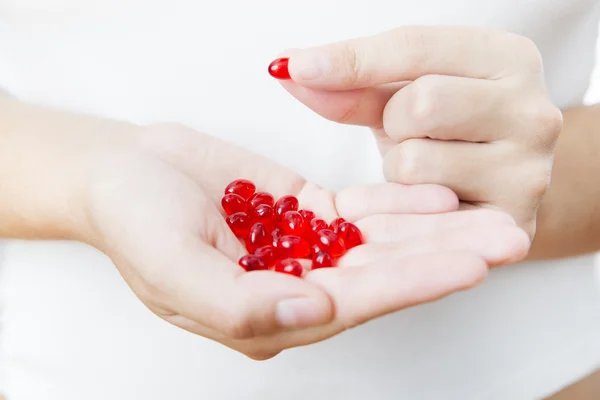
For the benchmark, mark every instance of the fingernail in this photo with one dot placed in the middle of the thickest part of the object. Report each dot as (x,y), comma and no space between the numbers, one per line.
(300,312)
(278,69)
(310,64)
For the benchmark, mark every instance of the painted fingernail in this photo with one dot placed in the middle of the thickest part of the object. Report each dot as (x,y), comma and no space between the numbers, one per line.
(300,312)
(278,69)
(311,64)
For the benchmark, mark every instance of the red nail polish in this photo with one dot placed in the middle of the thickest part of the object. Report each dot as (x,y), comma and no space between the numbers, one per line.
(278,69)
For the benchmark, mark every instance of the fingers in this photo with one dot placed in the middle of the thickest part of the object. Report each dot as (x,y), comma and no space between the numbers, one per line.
(447,163)
(215,292)
(377,288)
(361,201)
(408,53)
(449,108)
(399,228)
(202,283)
(496,244)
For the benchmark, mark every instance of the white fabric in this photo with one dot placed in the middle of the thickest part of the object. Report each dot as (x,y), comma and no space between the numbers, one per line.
(72,330)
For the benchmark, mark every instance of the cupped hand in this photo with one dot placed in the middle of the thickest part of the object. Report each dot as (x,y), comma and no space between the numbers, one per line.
(461,107)
(154,209)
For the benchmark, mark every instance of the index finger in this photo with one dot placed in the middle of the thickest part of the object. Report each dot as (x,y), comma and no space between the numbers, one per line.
(407,53)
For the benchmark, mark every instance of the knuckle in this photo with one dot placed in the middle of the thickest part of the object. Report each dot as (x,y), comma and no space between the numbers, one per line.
(550,120)
(540,180)
(425,102)
(351,67)
(411,40)
(529,53)
(545,121)
(402,164)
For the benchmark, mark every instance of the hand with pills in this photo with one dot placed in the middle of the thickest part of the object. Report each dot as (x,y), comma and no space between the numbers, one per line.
(231,246)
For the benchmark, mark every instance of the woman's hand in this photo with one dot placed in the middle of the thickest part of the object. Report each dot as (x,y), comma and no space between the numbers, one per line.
(155,210)
(464,108)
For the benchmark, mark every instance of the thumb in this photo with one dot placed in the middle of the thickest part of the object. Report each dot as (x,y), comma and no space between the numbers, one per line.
(206,286)
(363,107)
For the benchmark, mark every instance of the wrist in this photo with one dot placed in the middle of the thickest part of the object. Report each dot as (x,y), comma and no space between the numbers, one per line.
(46,160)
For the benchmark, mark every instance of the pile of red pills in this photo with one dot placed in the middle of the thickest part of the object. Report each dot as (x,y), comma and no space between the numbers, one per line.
(276,233)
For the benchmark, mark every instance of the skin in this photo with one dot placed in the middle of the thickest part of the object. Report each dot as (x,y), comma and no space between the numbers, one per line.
(461,107)
(149,196)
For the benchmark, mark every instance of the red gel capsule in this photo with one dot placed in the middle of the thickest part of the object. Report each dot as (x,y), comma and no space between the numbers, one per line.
(284,204)
(276,235)
(292,223)
(322,260)
(233,203)
(289,266)
(331,243)
(259,198)
(240,224)
(268,254)
(336,223)
(257,237)
(315,249)
(315,226)
(251,263)
(307,215)
(350,235)
(293,247)
(242,187)
(278,69)
(318,224)
(264,214)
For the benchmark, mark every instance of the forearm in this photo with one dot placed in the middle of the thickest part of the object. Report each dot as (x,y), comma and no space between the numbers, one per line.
(45,157)
(569,216)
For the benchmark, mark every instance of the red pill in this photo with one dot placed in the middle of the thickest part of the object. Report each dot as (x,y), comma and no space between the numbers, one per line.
(288,266)
(336,223)
(330,242)
(284,204)
(292,223)
(315,249)
(243,187)
(318,224)
(268,254)
(251,263)
(264,214)
(233,203)
(257,237)
(350,234)
(240,224)
(293,247)
(279,68)
(322,260)
(307,215)
(313,227)
(276,235)
(261,198)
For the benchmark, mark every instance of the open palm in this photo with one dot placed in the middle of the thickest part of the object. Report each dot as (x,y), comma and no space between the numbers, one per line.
(155,211)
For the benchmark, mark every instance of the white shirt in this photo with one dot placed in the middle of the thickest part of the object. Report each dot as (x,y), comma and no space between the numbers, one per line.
(71,329)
